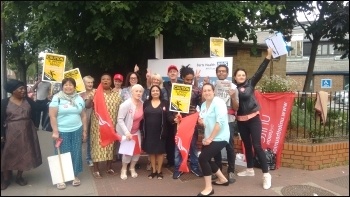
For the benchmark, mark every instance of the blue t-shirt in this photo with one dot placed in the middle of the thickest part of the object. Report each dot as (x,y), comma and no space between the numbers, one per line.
(68,116)
(217,113)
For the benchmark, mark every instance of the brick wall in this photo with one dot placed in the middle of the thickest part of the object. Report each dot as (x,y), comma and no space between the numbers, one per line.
(307,156)
(337,82)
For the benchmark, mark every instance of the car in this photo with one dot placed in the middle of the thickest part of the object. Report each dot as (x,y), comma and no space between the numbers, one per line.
(342,96)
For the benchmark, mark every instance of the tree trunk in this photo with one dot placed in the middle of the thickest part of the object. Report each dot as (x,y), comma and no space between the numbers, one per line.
(311,66)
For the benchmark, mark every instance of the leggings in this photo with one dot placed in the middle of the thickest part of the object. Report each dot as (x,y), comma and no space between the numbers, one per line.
(250,132)
(208,166)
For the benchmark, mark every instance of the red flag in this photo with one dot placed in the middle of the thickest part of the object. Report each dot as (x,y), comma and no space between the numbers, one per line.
(137,149)
(183,138)
(107,131)
(275,114)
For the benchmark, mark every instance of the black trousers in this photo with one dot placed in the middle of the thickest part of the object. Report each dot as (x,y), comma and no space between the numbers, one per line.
(170,144)
(250,132)
(207,165)
(42,107)
(231,156)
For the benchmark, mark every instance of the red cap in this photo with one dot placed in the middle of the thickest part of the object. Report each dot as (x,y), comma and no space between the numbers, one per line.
(172,67)
(118,76)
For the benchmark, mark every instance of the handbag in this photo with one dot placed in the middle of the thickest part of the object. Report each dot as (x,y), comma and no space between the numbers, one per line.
(270,158)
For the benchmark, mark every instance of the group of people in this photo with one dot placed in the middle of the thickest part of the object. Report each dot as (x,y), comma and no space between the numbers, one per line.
(110,117)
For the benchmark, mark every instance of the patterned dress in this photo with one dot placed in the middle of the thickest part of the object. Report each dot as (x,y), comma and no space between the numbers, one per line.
(22,149)
(99,153)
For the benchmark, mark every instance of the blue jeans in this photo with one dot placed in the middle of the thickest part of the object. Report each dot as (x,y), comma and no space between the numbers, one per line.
(193,153)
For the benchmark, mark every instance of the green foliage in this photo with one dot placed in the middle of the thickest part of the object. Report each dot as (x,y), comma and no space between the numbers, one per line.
(276,83)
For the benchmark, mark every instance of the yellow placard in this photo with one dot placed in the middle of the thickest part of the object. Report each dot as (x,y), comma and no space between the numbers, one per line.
(180,98)
(217,47)
(75,74)
(53,67)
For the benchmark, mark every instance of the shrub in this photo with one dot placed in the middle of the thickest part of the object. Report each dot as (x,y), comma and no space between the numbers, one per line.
(276,83)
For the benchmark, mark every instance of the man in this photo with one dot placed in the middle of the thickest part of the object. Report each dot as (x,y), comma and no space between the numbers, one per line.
(227,91)
(173,74)
(89,87)
(43,97)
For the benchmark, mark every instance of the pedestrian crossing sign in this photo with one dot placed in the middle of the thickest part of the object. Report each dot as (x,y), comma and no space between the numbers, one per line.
(326,83)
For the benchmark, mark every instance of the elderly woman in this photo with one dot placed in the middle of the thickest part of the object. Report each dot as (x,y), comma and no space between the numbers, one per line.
(213,116)
(68,121)
(129,117)
(154,79)
(105,103)
(21,150)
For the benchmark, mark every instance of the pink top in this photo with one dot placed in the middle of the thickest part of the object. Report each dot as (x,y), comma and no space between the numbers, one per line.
(137,119)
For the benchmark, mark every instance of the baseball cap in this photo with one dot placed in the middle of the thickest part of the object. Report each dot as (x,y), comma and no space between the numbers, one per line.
(118,76)
(172,67)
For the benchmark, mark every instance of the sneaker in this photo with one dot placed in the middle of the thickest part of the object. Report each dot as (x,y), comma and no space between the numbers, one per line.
(90,163)
(267,181)
(197,172)
(246,173)
(231,177)
(177,174)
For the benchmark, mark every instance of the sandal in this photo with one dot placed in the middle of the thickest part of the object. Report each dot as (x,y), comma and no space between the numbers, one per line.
(110,172)
(133,173)
(76,182)
(160,175)
(123,175)
(152,175)
(97,175)
(61,186)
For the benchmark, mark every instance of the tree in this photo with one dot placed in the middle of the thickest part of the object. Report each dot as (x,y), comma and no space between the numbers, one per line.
(325,19)
(104,36)
(21,43)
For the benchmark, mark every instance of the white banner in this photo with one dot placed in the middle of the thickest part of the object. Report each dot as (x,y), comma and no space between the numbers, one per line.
(206,66)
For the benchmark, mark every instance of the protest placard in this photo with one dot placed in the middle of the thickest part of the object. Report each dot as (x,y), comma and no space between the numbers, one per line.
(180,98)
(222,88)
(75,74)
(217,47)
(53,67)
(277,44)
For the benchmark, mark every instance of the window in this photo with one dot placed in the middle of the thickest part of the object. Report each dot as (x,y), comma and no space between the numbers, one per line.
(319,50)
(297,50)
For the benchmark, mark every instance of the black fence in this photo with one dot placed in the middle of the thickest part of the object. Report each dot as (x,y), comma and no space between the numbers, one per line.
(305,125)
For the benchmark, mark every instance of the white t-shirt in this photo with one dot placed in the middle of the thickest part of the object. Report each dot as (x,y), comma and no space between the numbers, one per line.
(221,90)
(43,89)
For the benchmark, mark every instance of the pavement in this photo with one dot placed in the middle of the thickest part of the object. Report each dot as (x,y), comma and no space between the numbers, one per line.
(285,181)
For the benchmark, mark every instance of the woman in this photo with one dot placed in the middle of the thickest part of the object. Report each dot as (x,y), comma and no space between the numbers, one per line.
(155,121)
(155,79)
(118,81)
(129,117)
(89,87)
(68,121)
(131,79)
(213,116)
(21,150)
(248,119)
(104,102)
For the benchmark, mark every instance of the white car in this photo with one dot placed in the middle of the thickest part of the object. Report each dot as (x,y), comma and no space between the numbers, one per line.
(342,97)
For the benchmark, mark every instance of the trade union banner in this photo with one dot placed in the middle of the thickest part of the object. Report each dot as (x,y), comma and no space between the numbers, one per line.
(274,114)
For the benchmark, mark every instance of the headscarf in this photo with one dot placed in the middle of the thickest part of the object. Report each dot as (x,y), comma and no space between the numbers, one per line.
(12,85)
(71,98)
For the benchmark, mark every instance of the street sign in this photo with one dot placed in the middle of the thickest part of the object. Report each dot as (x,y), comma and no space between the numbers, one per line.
(326,83)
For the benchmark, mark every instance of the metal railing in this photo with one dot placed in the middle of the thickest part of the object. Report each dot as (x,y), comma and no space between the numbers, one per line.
(305,124)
